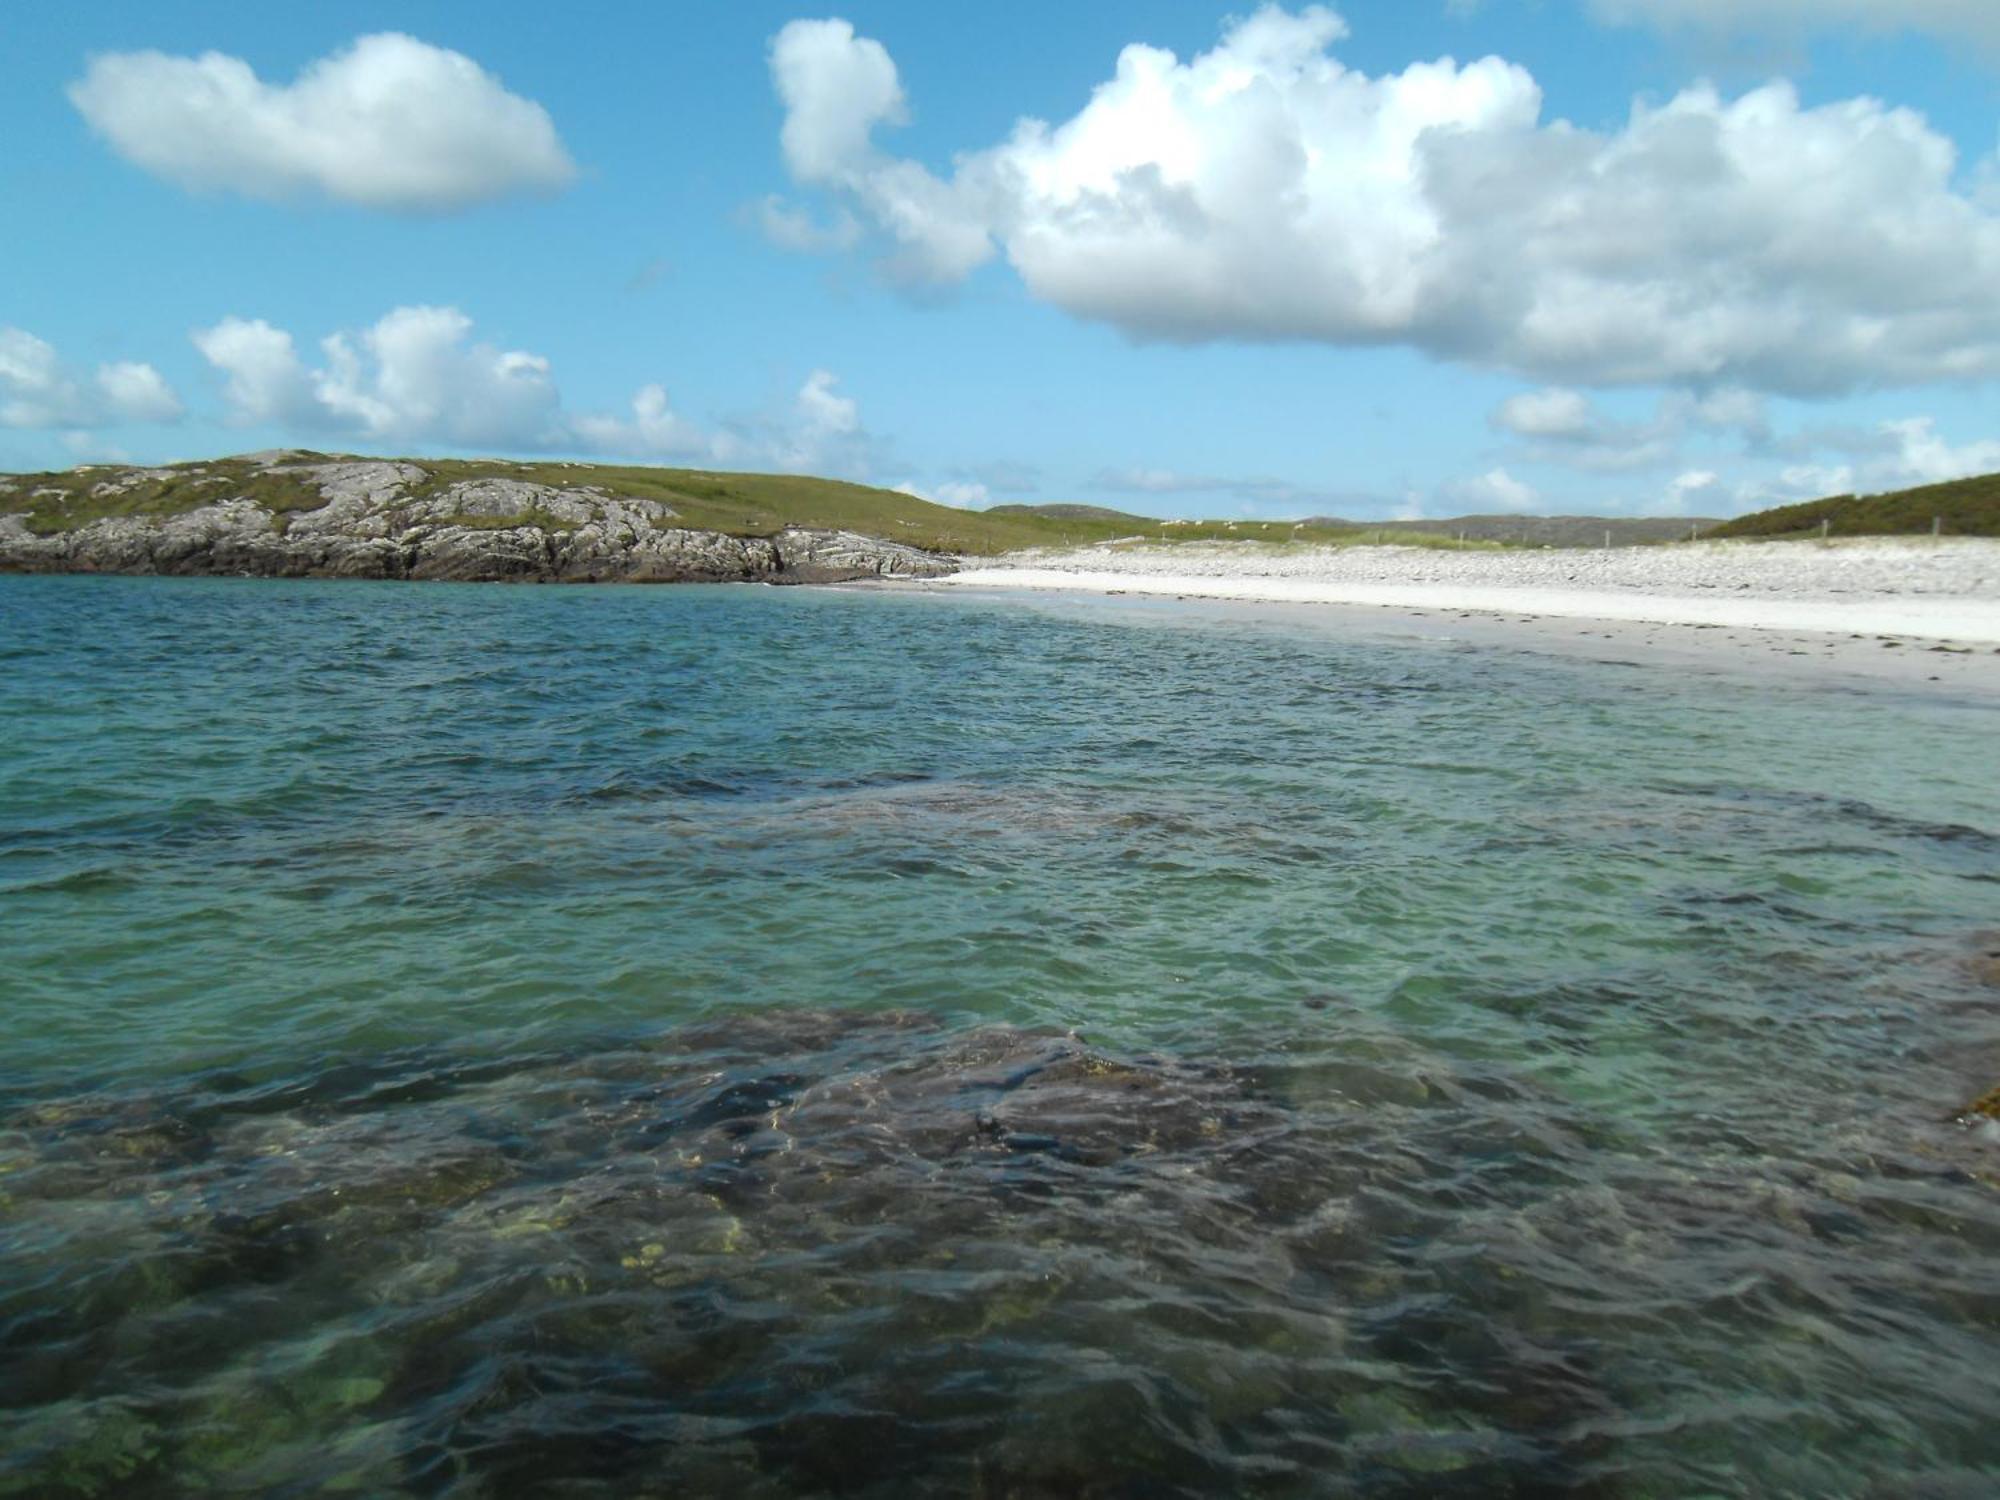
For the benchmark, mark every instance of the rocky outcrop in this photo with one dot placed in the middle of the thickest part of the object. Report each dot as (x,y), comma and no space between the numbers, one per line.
(381,519)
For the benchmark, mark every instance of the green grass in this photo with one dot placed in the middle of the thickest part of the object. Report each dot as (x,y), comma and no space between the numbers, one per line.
(63,501)
(1966,507)
(737,504)
(761,504)
(534,516)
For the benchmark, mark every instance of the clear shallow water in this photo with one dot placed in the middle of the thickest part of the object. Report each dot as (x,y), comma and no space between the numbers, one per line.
(466,1040)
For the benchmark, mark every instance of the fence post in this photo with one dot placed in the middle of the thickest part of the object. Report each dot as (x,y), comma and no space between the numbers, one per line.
(1825,527)
(1937,525)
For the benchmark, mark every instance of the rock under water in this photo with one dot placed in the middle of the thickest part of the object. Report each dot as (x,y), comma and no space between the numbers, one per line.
(807,1252)
(887,1253)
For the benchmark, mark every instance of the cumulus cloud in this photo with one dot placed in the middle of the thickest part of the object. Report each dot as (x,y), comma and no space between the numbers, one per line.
(1264,191)
(419,376)
(37,389)
(1975,21)
(653,430)
(836,88)
(1893,455)
(1566,427)
(1496,489)
(413,376)
(1924,457)
(819,431)
(1553,413)
(825,411)
(263,379)
(390,122)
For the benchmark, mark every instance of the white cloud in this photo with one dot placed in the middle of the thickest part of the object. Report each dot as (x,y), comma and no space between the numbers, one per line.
(1494,490)
(1264,191)
(821,433)
(1923,457)
(413,373)
(1893,455)
(38,390)
(654,430)
(418,376)
(390,122)
(836,88)
(263,379)
(1562,426)
(959,494)
(410,377)
(791,228)
(1554,413)
(826,413)
(136,392)
(1975,21)
(818,431)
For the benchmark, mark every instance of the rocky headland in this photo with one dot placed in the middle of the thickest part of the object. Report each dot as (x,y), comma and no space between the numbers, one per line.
(292,516)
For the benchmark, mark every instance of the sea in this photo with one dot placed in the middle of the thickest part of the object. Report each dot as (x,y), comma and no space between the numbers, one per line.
(484,1040)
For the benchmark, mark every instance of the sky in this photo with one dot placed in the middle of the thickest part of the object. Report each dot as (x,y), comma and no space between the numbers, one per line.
(1395,258)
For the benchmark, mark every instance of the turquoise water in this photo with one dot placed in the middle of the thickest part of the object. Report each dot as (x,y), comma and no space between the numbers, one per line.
(483,1041)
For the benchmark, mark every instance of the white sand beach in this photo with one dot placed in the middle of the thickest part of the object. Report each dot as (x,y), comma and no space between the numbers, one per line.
(1916,610)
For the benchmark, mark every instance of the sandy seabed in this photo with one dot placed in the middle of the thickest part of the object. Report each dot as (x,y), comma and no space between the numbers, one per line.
(1916,611)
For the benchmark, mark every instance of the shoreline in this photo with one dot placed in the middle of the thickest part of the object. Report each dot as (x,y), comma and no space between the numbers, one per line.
(1838,625)
(1960,621)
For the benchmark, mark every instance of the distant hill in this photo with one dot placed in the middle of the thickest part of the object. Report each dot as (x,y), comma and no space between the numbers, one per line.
(762,505)
(1962,507)
(1072,513)
(1520,531)
(1549,531)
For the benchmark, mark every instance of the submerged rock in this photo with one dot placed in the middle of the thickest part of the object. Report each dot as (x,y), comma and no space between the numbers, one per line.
(1982,964)
(891,1252)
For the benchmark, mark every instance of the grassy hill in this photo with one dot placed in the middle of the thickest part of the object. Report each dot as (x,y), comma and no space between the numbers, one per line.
(1965,507)
(1073,513)
(761,504)
(737,504)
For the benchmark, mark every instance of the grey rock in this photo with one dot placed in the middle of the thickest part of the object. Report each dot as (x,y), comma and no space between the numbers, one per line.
(380,519)
(837,556)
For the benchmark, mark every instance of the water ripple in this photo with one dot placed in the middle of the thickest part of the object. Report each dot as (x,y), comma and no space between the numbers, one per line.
(460,1041)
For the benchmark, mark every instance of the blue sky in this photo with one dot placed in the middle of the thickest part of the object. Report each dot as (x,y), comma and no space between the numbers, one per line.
(1619,256)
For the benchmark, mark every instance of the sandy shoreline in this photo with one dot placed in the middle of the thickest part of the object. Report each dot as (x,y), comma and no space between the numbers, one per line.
(1919,613)
(1962,621)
